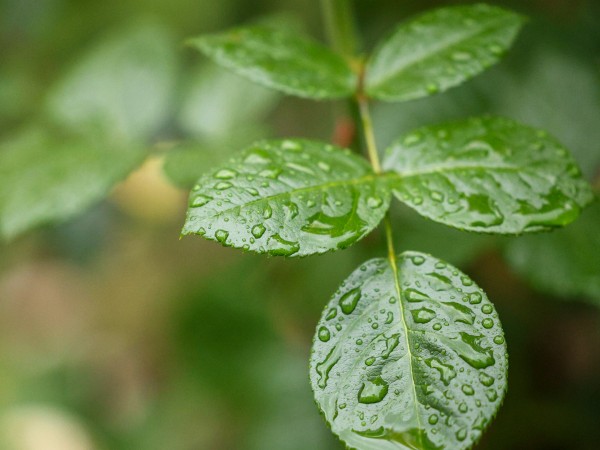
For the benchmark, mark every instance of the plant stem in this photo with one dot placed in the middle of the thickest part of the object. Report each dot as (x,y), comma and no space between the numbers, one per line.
(367,124)
(340,26)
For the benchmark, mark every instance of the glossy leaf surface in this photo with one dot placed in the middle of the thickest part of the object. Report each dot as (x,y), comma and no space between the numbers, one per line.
(439,50)
(45,180)
(281,60)
(489,175)
(409,354)
(288,198)
(564,263)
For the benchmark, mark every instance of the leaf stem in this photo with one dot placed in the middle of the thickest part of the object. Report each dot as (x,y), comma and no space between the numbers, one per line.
(367,124)
(340,26)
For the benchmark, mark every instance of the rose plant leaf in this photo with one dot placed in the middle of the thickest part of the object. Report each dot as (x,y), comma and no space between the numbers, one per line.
(281,60)
(489,175)
(439,50)
(409,354)
(289,198)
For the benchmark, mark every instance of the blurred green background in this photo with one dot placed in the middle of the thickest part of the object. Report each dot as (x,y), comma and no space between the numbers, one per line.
(115,334)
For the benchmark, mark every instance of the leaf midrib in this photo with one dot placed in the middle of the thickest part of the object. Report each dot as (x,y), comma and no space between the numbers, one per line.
(319,187)
(396,274)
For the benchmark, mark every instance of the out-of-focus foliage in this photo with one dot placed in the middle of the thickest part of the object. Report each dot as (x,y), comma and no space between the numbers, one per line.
(116,335)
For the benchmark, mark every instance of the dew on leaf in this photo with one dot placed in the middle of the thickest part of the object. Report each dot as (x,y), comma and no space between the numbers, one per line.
(373,391)
(349,300)
(324,334)
(258,230)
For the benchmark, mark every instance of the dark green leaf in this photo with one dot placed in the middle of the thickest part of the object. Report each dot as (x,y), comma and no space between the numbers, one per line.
(439,50)
(290,197)
(489,175)
(46,180)
(566,262)
(281,60)
(409,354)
(121,87)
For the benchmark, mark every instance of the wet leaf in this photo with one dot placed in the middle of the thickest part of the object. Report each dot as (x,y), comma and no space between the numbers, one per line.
(490,175)
(564,263)
(288,198)
(409,354)
(280,60)
(45,179)
(439,50)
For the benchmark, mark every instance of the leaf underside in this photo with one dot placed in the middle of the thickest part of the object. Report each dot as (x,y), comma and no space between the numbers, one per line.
(439,50)
(489,175)
(288,198)
(409,354)
(282,61)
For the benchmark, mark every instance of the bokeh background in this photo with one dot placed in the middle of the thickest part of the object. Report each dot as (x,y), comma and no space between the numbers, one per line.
(115,334)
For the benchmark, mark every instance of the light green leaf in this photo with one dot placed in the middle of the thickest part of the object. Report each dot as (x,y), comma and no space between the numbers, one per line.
(564,263)
(409,354)
(490,175)
(282,61)
(45,179)
(439,50)
(289,198)
(122,87)
(218,103)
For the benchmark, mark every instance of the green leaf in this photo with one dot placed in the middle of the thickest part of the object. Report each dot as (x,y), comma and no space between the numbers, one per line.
(218,103)
(282,61)
(439,50)
(44,179)
(564,263)
(122,87)
(409,354)
(490,175)
(289,198)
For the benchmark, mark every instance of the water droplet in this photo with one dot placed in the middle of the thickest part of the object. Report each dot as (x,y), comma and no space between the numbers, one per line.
(496,49)
(331,314)
(499,340)
(436,196)
(252,191)
(324,166)
(487,309)
(491,395)
(373,391)
(461,434)
(281,247)
(201,231)
(258,230)
(461,56)
(390,318)
(423,315)
(359,342)
(268,212)
(417,260)
(325,366)
(349,300)
(463,408)
(486,379)
(375,326)
(221,236)
(257,156)
(433,419)
(324,334)
(369,361)
(475,298)
(222,185)
(469,348)
(225,174)
(487,323)
(437,326)
(390,344)
(432,88)
(412,139)
(466,281)
(342,406)
(374,202)
(414,296)
(468,389)
(392,300)
(199,200)
(270,173)
(447,372)
(291,145)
